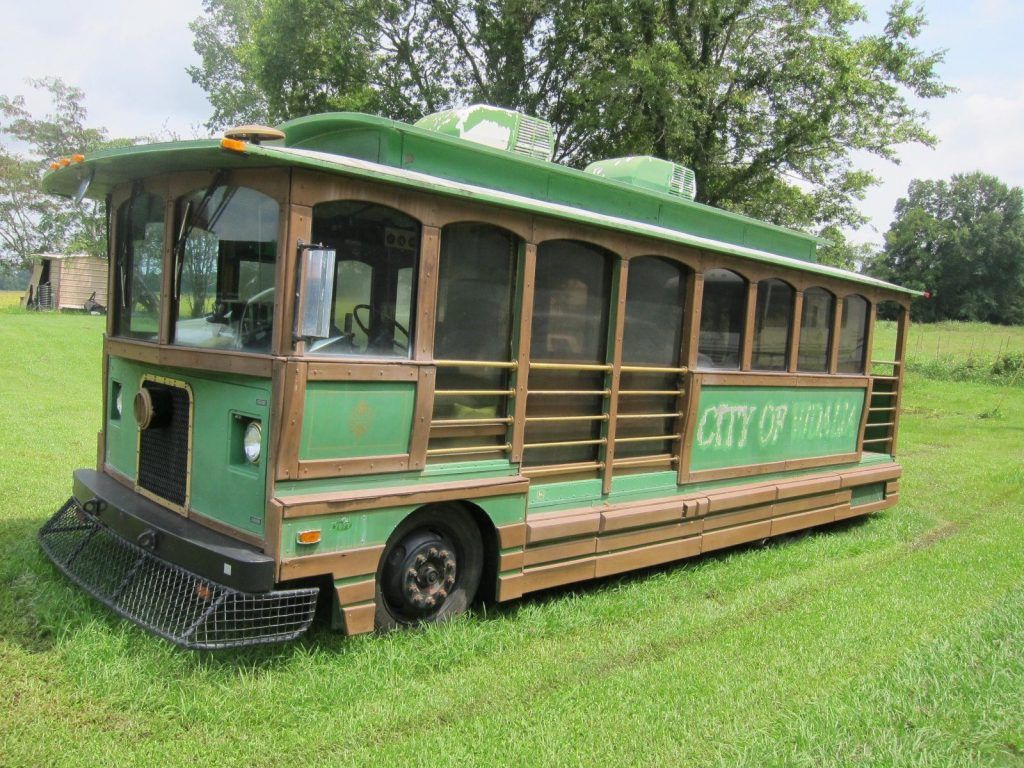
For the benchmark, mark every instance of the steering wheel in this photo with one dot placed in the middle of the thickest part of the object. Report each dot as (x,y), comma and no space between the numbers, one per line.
(364,327)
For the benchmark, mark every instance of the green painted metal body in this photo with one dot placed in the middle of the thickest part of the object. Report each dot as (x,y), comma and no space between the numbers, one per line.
(411,157)
(347,419)
(737,426)
(223,486)
(740,426)
(646,172)
(494,127)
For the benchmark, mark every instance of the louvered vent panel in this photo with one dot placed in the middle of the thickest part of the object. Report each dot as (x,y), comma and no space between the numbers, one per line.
(684,182)
(533,138)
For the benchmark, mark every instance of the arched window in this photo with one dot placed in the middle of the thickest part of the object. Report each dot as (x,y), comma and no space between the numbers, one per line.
(374,278)
(853,333)
(475,293)
(722,315)
(652,336)
(773,321)
(225,269)
(655,301)
(139,260)
(816,330)
(572,293)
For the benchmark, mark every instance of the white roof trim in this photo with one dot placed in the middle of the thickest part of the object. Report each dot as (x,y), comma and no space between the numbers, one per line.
(558,209)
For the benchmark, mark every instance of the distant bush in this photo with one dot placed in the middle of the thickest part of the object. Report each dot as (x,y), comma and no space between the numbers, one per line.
(1005,368)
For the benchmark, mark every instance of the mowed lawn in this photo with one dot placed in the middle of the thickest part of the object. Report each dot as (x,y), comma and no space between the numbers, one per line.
(896,640)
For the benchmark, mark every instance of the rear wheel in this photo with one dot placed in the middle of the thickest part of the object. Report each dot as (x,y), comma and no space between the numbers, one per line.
(430,570)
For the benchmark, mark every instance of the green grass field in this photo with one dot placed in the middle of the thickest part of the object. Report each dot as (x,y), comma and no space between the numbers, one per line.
(892,641)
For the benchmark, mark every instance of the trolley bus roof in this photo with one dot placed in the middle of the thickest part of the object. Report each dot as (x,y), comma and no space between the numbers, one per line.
(110,168)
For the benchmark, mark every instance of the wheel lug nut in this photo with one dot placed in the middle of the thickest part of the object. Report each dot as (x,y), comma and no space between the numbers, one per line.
(420,559)
(432,553)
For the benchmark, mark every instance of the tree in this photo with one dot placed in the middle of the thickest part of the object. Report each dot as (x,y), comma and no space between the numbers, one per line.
(765,99)
(963,242)
(32,222)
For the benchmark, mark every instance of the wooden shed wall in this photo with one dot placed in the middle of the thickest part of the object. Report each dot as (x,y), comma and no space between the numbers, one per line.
(78,278)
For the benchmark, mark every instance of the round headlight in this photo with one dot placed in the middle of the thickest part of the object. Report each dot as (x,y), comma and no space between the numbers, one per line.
(252,441)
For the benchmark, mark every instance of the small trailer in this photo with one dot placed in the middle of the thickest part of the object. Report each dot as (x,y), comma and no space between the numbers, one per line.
(67,281)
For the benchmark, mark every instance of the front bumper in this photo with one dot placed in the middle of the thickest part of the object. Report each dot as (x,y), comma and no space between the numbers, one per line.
(172,601)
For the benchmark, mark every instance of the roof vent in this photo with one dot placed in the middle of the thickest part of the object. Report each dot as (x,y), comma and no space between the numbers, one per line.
(649,173)
(495,127)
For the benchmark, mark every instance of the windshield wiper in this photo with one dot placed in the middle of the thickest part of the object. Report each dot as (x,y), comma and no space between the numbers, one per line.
(187,224)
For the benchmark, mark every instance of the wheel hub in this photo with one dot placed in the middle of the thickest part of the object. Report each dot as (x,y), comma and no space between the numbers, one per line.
(424,574)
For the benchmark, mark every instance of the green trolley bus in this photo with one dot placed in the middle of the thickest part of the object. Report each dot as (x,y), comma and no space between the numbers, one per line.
(401,368)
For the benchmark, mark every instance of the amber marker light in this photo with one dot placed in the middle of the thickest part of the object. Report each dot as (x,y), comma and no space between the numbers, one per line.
(77,157)
(235,145)
(65,162)
(54,165)
(309,537)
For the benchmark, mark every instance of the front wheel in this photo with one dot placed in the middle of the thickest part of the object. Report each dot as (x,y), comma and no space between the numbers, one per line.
(430,570)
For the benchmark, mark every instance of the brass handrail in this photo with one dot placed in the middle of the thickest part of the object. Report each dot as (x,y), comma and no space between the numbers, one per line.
(469,449)
(471,422)
(646,438)
(541,419)
(563,469)
(649,415)
(476,364)
(674,392)
(566,443)
(570,392)
(481,392)
(569,367)
(651,369)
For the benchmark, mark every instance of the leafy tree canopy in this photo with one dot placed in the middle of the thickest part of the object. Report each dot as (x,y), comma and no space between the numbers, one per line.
(963,241)
(765,99)
(32,222)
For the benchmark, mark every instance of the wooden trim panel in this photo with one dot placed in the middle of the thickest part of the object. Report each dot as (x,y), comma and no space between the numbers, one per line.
(363,465)
(560,526)
(510,536)
(358,619)
(312,504)
(340,565)
(643,557)
(221,361)
(356,592)
(560,551)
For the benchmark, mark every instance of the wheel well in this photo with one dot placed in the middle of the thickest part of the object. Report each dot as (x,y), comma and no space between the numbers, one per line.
(489,538)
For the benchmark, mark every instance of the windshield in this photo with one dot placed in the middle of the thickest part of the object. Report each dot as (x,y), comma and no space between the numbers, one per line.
(225,269)
(140,266)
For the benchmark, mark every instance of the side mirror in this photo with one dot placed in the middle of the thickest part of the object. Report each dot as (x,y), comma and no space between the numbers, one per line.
(316,292)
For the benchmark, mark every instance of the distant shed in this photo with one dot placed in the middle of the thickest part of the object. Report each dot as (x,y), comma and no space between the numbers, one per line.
(66,281)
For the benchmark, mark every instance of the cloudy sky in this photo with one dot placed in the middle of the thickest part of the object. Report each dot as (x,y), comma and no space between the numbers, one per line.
(130,59)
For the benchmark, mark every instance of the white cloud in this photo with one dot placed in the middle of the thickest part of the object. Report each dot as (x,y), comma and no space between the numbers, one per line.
(978,129)
(129,58)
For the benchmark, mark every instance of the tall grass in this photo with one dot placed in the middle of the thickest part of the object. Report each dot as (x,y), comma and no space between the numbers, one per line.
(893,641)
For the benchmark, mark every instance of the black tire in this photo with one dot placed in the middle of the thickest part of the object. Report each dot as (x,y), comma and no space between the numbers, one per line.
(430,570)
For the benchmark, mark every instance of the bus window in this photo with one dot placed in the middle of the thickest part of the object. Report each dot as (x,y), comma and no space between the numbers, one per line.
(816,330)
(570,326)
(476,283)
(139,255)
(374,278)
(652,336)
(721,319)
(773,320)
(853,332)
(225,269)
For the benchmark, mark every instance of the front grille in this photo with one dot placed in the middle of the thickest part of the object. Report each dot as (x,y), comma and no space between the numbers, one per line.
(164,598)
(164,446)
